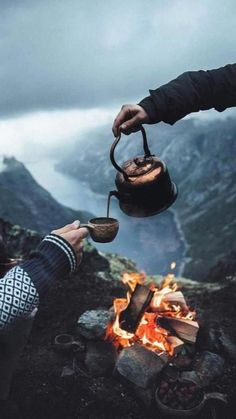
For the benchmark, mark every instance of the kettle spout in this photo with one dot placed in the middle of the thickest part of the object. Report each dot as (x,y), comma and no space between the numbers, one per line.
(114,193)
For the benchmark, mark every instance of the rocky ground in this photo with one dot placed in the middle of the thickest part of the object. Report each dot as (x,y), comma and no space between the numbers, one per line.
(41,392)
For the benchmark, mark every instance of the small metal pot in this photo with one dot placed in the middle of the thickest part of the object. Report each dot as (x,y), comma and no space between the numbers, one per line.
(186,413)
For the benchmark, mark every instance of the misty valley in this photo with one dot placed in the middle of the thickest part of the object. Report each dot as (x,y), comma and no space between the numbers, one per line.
(153,243)
(197,231)
(201,160)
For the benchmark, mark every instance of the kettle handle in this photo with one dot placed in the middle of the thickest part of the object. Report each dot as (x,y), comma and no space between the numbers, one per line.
(112,151)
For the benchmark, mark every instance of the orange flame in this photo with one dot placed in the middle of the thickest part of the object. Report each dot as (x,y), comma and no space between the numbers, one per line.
(163,304)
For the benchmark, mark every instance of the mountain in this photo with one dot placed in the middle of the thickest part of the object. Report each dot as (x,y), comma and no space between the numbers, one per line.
(201,160)
(25,202)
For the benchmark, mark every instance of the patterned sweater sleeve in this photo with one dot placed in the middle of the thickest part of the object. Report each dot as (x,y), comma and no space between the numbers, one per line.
(23,286)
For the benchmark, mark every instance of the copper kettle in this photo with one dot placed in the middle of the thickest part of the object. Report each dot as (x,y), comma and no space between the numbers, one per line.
(144,187)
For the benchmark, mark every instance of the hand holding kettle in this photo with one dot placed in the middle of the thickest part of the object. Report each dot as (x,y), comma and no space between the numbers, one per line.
(129,119)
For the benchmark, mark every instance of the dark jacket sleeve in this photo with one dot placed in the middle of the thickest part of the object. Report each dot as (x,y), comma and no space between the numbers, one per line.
(191,92)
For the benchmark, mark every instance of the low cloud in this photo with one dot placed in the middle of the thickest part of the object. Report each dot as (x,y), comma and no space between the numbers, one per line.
(77,54)
(41,134)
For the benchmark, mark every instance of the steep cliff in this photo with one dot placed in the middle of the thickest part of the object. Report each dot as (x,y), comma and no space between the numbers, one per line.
(25,202)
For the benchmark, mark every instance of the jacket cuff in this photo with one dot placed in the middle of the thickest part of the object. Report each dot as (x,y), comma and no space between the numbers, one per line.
(149,106)
(54,258)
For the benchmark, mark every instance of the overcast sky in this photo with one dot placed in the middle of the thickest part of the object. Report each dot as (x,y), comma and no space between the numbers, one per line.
(80,60)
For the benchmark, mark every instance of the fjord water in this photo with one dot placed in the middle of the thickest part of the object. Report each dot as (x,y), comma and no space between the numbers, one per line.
(153,242)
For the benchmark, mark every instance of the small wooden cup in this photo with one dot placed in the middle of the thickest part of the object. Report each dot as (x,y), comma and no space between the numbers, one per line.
(102,229)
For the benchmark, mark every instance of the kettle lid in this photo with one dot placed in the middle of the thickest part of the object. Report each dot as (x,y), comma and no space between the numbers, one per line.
(142,165)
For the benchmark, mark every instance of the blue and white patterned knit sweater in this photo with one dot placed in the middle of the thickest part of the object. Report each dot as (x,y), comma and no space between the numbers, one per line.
(22,287)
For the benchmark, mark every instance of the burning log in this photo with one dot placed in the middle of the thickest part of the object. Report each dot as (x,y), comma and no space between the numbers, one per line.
(137,322)
(176,344)
(162,302)
(175,298)
(184,328)
(139,302)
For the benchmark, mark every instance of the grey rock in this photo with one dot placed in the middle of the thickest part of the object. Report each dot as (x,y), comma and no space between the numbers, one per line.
(216,340)
(228,347)
(207,339)
(208,367)
(146,395)
(100,358)
(93,323)
(182,361)
(191,376)
(139,365)
(67,371)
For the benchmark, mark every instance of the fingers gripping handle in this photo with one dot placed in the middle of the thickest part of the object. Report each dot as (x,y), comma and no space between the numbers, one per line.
(88,226)
(112,153)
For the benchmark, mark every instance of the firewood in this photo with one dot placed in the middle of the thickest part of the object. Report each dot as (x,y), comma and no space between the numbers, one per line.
(176,344)
(186,330)
(139,302)
(173,298)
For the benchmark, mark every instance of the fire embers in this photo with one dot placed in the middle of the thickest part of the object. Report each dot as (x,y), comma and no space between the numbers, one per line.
(156,318)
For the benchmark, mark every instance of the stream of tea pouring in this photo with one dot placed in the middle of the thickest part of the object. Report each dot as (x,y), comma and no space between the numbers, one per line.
(108,204)
(102,229)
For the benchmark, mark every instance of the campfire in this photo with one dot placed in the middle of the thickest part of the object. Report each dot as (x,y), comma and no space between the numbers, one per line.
(156,318)
(150,340)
